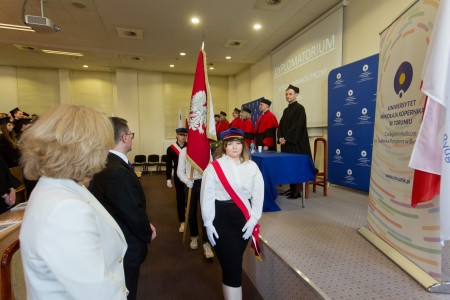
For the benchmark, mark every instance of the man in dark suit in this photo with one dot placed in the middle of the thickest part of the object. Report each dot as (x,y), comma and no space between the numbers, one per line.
(119,190)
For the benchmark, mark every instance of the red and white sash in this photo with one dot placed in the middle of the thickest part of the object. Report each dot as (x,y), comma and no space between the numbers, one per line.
(238,201)
(176,148)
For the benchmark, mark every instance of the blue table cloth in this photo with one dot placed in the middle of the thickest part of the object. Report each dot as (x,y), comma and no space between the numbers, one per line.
(281,168)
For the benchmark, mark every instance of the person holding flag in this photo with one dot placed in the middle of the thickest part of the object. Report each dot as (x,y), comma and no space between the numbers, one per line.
(195,157)
(173,152)
(231,198)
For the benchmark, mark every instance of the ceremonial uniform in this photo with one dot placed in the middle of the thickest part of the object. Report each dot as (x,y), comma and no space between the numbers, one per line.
(220,211)
(173,153)
(265,133)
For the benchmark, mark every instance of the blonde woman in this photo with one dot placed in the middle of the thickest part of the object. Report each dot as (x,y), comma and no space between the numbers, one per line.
(231,198)
(71,247)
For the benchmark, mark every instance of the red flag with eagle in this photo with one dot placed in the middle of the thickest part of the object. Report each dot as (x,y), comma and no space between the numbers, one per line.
(201,118)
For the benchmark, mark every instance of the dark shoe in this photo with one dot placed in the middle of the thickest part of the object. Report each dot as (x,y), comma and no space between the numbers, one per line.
(316,171)
(295,196)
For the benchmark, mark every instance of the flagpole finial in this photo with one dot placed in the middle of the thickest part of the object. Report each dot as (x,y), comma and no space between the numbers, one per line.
(203,40)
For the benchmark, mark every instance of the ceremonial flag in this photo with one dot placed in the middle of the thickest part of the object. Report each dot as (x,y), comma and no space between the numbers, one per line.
(436,82)
(201,118)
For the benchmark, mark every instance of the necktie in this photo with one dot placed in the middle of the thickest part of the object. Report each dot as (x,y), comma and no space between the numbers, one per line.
(130,166)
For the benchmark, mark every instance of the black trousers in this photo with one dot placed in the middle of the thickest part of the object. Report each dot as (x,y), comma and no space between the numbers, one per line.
(180,190)
(193,210)
(230,245)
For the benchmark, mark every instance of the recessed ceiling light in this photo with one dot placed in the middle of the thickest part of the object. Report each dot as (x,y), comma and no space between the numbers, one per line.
(172,66)
(195,20)
(61,52)
(182,53)
(227,57)
(211,68)
(257,26)
(85,66)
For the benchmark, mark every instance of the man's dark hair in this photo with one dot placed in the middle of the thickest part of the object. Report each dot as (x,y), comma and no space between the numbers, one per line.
(120,127)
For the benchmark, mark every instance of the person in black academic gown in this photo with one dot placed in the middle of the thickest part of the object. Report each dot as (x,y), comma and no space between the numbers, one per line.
(293,132)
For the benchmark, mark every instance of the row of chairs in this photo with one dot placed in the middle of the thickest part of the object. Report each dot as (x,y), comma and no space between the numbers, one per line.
(152,160)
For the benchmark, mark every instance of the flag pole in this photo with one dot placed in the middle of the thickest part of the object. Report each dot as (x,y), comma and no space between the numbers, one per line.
(188,205)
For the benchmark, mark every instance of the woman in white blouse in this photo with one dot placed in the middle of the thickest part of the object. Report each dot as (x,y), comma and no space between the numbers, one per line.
(70,245)
(231,199)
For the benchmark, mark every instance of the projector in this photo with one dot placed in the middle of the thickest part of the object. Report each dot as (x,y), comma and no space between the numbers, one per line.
(41,24)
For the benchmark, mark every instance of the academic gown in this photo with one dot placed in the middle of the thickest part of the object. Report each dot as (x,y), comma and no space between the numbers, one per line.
(265,133)
(293,129)
(236,123)
(249,129)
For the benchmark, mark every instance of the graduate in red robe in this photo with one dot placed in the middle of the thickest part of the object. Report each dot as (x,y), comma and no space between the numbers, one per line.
(266,127)
(223,124)
(237,121)
(247,125)
(217,120)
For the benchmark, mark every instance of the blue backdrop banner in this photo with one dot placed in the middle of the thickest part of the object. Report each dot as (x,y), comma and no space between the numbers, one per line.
(351,110)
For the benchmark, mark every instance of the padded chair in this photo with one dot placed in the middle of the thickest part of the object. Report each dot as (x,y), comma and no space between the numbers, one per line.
(322,176)
(162,163)
(21,192)
(153,160)
(13,281)
(139,161)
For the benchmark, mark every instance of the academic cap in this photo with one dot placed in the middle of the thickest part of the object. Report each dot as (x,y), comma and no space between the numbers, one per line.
(294,88)
(231,133)
(266,101)
(181,130)
(247,110)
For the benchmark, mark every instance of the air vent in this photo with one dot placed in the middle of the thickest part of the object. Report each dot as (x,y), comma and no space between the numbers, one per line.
(270,4)
(27,47)
(135,58)
(127,33)
(235,43)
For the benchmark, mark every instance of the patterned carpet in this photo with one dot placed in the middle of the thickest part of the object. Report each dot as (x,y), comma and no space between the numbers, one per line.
(172,270)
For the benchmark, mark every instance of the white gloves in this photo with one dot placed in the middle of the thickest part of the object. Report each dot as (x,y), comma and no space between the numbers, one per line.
(189,184)
(211,232)
(169,183)
(248,228)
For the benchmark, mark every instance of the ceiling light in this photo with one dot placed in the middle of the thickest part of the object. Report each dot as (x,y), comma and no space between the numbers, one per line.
(172,66)
(257,26)
(182,53)
(61,52)
(227,57)
(211,68)
(195,20)
(15,27)
(85,66)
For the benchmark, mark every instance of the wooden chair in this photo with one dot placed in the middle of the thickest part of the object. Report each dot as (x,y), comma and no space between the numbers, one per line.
(13,282)
(153,160)
(140,161)
(322,176)
(162,163)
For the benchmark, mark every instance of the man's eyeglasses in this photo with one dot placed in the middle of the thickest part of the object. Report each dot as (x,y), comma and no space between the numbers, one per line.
(131,133)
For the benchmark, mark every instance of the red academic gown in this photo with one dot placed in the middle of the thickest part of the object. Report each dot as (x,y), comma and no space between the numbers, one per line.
(249,131)
(266,131)
(224,125)
(236,123)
